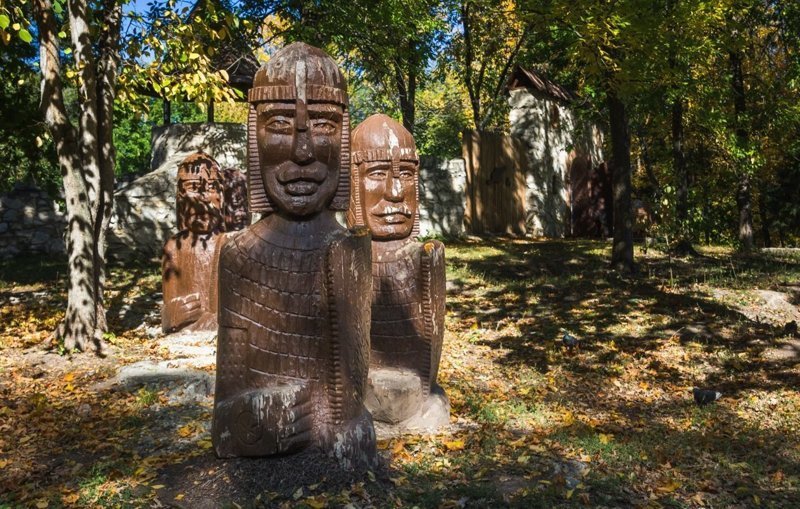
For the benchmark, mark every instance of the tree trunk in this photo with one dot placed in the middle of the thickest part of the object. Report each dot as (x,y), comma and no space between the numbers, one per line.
(86,156)
(683,246)
(622,249)
(743,191)
(407,91)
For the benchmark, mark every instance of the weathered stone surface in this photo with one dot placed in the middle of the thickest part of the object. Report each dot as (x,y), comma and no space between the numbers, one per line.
(442,188)
(144,209)
(396,402)
(32,223)
(553,136)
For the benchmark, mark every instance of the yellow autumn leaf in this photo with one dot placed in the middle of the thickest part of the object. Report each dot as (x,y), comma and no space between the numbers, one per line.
(605,439)
(69,377)
(41,504)
(454,445)
(3,463)
(179,496)
(315,503)
(670,487)
(185,431)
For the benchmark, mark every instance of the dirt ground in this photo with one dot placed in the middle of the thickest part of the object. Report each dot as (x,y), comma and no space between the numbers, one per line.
(610,423)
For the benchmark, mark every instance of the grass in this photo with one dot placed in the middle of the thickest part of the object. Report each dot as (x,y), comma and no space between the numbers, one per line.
(611,424)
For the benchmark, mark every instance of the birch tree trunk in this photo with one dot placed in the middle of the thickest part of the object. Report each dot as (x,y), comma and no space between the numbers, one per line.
(85,153)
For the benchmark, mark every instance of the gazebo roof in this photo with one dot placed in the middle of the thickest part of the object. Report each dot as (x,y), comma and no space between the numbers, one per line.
(529,78)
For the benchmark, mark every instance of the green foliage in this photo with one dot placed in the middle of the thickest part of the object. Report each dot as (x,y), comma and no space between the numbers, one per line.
(26,146)
(441,118)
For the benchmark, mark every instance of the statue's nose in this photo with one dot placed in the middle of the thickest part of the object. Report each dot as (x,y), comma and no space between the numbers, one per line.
(303,144)
(394,188)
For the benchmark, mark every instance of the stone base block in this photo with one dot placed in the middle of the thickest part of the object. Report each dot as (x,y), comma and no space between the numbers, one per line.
(397,403)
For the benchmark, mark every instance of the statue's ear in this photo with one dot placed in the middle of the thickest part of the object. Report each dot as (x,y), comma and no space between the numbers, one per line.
(256,193)
(341,201)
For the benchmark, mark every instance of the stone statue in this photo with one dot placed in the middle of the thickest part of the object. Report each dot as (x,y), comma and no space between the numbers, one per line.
(408,279)
(293,345)
(189,262)
(237,215)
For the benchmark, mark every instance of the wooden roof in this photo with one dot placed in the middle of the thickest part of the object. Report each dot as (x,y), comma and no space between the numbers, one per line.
(531,79)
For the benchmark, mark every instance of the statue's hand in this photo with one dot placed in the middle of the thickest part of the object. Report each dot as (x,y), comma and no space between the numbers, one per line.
(189,306)
(264,421)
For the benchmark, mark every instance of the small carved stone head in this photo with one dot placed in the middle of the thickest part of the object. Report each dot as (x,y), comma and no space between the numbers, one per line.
(199,195)
(298,134)
(385,179)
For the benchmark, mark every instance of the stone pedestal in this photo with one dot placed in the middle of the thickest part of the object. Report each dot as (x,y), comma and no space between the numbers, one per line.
(396,400)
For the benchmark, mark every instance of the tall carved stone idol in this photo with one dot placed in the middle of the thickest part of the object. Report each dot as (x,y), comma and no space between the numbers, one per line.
(188,266)
(408,289)
(293,347)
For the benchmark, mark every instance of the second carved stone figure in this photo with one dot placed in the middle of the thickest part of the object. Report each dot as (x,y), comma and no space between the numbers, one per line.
(408,289)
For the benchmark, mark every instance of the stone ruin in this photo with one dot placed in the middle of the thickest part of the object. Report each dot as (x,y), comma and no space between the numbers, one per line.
(30,223)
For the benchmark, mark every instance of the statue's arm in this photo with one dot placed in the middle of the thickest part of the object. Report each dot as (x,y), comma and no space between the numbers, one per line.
(349,290)
(433,301)
(178,310)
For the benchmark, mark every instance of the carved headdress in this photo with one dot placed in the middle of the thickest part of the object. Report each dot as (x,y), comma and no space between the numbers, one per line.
(380,138)
(298,72)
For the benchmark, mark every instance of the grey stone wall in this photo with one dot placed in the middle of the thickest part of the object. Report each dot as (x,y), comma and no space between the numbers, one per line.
(442,196)
(30,222)
(144,209)
(551,134)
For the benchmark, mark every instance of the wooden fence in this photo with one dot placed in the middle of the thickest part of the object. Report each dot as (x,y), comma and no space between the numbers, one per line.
(495,173)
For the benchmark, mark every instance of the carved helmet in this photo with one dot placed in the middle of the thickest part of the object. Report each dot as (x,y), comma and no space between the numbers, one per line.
(277,81)
(380,138)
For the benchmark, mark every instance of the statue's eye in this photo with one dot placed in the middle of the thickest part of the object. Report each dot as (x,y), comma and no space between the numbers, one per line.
(378,173)
(406,173)
(279,124)
(323,127)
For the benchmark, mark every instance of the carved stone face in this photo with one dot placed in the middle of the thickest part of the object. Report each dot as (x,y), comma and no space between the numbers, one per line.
(301,131)
(300,148)
(199,195)
(389,197)
(387,169)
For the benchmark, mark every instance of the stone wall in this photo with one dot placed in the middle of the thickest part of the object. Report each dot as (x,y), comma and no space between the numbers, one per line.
(144,209)
(30,223)
(442,196)
(553,137)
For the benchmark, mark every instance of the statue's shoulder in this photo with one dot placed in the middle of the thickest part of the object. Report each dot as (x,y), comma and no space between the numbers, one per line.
(357,238)
(433,248)
(236,247)
(174,243)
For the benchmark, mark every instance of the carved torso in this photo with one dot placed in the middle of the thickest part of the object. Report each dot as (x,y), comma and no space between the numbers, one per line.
(188,270)
(398,321)
(272,286)
(293,328)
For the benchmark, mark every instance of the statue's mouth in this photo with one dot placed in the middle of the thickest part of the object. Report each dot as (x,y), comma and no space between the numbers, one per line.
(394,215)
(301,187)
